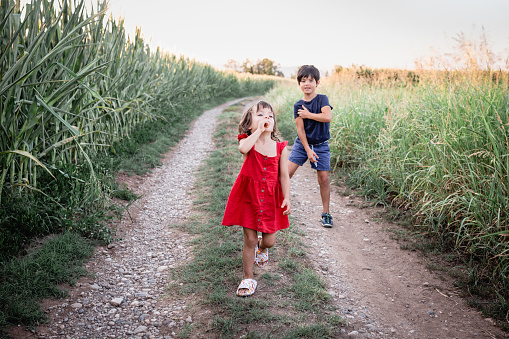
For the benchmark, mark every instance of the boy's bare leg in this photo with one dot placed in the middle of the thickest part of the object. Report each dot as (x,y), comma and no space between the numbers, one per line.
(292,167)
(323,181)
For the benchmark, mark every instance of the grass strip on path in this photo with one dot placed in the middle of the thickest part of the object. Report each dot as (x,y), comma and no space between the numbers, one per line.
(291,301)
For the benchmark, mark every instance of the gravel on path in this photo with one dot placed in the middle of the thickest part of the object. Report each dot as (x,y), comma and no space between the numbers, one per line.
(381,290)
(127,296)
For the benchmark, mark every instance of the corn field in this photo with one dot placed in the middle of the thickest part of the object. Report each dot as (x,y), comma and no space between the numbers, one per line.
(72,83)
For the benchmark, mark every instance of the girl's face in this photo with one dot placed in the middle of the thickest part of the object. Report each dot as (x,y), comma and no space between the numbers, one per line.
(264,115)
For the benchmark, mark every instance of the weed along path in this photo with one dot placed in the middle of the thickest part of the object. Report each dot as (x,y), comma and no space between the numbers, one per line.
(382,290)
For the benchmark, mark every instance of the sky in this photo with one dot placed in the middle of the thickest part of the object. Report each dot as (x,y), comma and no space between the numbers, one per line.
(375,33)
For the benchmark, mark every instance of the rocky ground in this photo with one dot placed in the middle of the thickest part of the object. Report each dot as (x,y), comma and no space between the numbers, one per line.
(383,291)
(127,296)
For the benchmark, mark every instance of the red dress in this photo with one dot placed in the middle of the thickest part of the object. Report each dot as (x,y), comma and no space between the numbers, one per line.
(256,197)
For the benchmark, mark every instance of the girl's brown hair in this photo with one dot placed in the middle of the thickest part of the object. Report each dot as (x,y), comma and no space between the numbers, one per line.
(247,119)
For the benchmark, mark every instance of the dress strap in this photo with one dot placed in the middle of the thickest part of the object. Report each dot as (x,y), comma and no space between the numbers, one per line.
(281,146)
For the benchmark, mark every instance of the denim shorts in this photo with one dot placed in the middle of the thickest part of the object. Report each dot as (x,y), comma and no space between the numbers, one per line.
(299,156)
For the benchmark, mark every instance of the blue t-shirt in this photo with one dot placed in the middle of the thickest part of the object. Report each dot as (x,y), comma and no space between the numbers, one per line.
(316,132)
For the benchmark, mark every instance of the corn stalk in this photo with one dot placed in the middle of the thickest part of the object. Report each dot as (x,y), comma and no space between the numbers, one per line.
(72,83)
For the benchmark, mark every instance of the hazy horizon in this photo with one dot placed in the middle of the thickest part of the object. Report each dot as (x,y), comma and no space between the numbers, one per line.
(389,34)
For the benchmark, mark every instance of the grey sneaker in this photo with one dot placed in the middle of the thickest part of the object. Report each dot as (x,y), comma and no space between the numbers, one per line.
(327,220)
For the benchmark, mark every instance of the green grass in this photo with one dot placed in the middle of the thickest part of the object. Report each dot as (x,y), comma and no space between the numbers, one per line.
(288,296)
(437,150)
(25,281)
(125,194)
(79,101)
(64,207)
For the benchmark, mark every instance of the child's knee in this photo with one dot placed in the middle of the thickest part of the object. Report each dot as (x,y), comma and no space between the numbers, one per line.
(250,240)
(323,182)
(269,242)
(323,179)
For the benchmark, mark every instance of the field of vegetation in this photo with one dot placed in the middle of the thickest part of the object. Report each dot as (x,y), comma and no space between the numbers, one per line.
(434,145)
(80,100)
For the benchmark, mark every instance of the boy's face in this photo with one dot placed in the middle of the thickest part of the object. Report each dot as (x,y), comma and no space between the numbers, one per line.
(308,85)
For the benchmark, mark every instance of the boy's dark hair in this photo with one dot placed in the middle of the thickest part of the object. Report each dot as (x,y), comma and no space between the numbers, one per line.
(308,71)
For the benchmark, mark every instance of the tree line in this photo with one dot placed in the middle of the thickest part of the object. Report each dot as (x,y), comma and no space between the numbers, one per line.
(260,66)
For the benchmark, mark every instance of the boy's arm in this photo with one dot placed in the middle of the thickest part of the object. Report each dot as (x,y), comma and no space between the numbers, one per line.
(284,178)
(304,140)
(324,116)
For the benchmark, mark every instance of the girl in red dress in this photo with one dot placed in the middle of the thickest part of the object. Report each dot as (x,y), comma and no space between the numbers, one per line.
(260,198)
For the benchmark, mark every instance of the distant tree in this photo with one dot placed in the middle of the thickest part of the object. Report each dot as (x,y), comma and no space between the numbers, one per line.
(233,65)
(338,69)
(248,67)
(265,66)
(269,67)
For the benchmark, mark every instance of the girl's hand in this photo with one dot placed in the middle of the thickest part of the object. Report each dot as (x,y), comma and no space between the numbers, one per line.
(264,124)
(286,202)
(261,125)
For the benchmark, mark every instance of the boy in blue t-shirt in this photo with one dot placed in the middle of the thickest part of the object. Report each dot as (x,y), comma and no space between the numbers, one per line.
(313,114)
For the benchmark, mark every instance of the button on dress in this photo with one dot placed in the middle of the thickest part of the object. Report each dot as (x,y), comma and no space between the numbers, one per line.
(256,197)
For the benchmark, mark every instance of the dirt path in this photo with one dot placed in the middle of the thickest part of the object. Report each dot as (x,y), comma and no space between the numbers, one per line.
(384,292)
(127,296)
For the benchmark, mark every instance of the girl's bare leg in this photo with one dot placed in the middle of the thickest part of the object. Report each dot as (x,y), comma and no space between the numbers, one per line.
(292,167)
(268,240)
(248,253)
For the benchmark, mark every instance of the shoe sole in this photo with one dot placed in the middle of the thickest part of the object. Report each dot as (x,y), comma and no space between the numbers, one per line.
(327,226)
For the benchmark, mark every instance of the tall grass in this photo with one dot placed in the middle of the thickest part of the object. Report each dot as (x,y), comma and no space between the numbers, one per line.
(79,99)
(439,148)
(72,85)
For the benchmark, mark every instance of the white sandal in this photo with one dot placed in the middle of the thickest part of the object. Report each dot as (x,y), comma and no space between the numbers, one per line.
(248,284)
(261,259)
